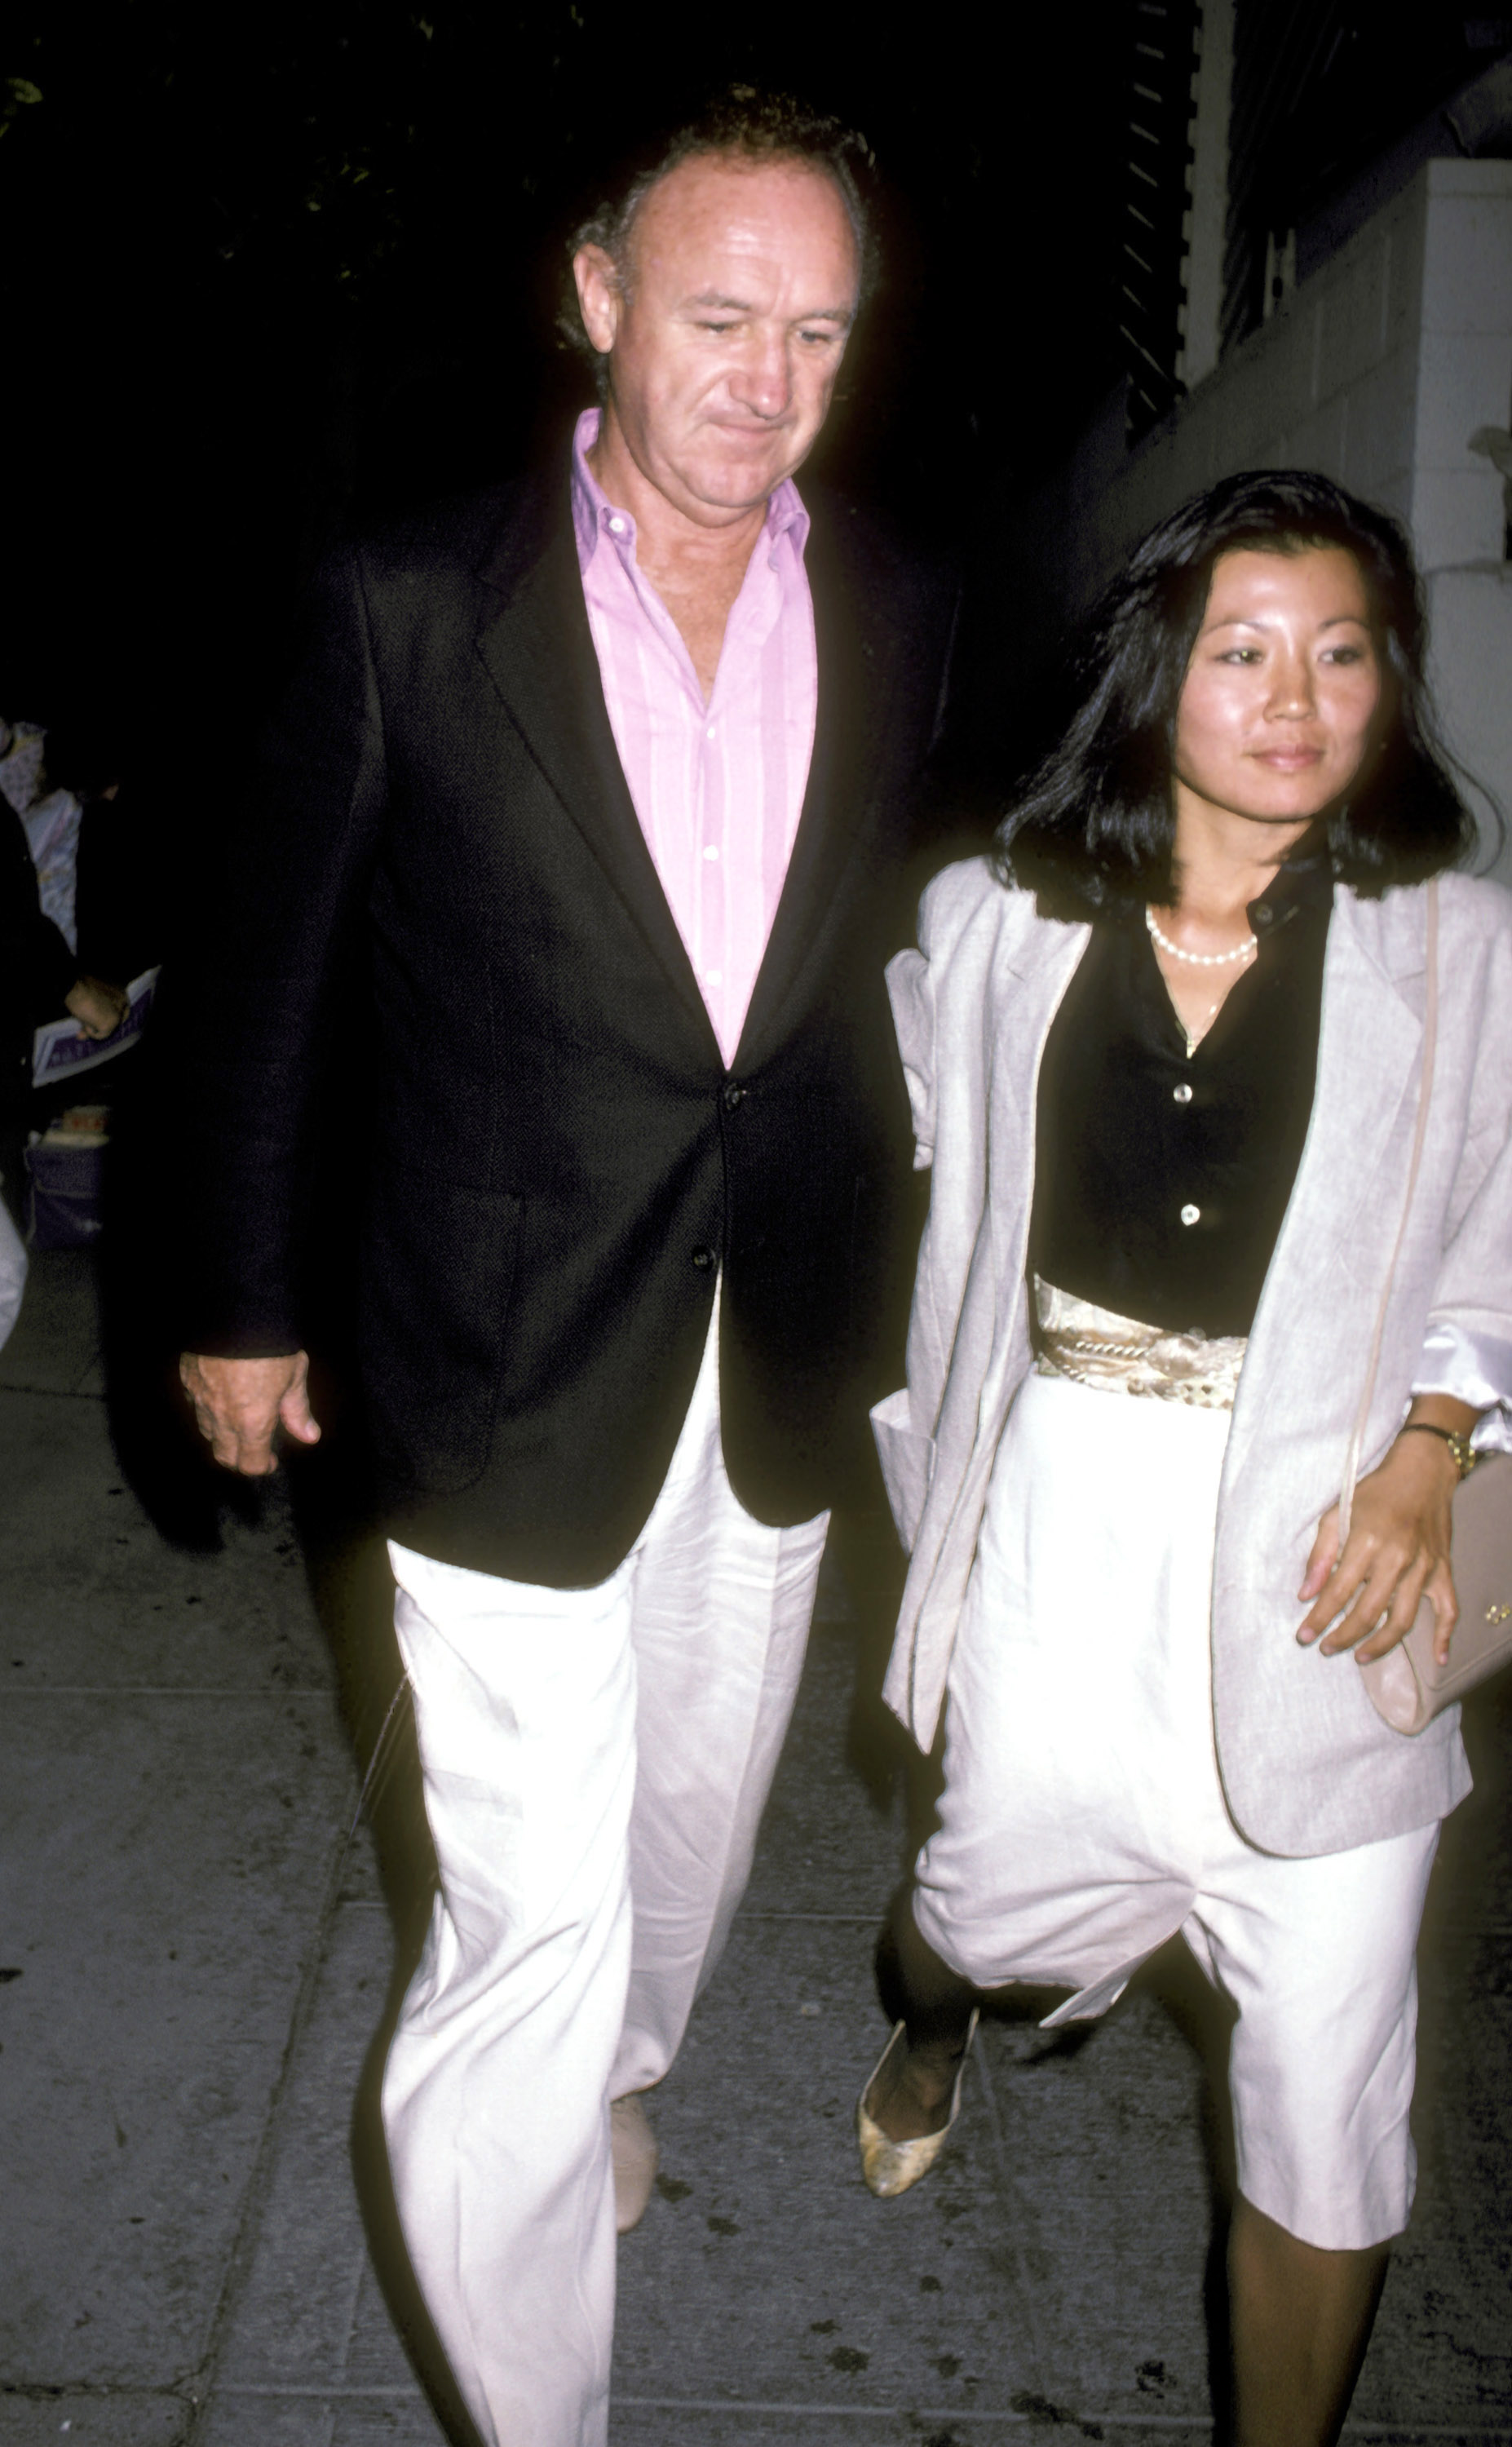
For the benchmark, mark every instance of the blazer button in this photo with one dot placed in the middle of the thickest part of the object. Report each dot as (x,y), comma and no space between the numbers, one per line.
(703,1256)
(734,1096)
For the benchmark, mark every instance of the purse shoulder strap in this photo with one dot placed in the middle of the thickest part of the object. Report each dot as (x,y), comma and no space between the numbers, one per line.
(1430,1037)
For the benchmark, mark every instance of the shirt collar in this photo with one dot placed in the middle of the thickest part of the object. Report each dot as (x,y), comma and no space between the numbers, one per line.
(1304,880)
(593,514)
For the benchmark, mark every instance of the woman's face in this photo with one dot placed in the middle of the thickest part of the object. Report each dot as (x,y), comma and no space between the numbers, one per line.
(1278,707)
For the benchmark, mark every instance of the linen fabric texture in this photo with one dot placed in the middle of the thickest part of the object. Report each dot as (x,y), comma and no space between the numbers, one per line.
(1079,1752)
(595,1763)
(1307,1765)
(559,1159)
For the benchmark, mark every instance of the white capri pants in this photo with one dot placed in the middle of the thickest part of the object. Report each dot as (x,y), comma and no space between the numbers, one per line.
(595,1763)
(1083,1821)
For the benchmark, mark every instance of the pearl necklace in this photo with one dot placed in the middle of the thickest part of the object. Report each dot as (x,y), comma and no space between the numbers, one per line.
(1200,960)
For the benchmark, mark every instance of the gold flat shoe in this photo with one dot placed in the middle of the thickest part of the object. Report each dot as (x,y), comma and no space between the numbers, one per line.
(891,2167)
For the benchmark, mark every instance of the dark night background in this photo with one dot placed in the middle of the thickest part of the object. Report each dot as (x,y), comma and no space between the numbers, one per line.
(272,269)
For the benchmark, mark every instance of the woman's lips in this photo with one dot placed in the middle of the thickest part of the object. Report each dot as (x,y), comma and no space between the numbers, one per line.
(1289,760)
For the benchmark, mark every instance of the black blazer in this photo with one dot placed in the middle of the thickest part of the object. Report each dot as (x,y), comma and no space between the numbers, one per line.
(560,1160)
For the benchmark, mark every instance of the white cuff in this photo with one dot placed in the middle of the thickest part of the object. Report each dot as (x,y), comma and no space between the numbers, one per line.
(1475,1369)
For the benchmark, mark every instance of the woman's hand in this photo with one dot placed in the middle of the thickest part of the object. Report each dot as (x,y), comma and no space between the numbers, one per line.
(1397,1552)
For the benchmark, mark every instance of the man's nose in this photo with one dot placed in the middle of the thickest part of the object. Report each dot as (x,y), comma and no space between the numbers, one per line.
(763,381)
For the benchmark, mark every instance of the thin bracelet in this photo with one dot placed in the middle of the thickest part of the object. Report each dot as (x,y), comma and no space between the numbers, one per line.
(1463,1455)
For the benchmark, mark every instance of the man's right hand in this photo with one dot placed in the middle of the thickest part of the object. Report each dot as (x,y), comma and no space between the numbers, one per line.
(241,1404)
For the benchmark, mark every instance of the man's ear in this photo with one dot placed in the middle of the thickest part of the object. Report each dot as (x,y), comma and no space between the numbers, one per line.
(599,296)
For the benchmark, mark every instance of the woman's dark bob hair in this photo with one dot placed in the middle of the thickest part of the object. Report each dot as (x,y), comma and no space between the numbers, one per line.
(1092,834)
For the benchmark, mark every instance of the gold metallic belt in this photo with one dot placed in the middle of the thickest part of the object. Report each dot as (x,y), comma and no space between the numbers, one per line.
(1118,1355)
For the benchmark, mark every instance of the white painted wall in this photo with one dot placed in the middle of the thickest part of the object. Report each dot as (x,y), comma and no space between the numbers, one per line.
(1376,371)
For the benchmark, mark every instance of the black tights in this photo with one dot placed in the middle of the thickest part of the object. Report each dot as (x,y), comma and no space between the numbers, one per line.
(917,1989)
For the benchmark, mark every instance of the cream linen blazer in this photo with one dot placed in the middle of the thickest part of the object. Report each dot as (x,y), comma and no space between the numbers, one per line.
(1308,1766)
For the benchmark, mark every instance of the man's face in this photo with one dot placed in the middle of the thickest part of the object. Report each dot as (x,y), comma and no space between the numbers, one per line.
(723,355)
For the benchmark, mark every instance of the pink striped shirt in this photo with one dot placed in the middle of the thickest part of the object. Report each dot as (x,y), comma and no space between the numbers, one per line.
(718,788)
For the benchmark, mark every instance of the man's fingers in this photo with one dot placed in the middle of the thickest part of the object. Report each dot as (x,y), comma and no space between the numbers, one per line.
(235,1445)
(239,1404)
(294,1413)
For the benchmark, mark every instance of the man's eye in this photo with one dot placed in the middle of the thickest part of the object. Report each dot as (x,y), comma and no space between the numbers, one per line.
(720,327)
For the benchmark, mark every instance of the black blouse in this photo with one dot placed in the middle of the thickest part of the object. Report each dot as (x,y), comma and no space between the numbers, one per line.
(1160,1179)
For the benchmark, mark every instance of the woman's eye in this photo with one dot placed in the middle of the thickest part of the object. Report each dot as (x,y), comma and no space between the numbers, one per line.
(1241,654)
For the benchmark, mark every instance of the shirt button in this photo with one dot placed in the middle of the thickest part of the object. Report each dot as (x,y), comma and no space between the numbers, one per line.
(734,1096)
(1261,915)
(1181,1095)
(1191,1214)
(710,850)
(713,976)
(703,1258)
(709,733)
(617,526)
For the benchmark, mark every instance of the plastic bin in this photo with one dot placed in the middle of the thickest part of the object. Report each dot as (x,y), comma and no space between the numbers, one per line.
(64,1193)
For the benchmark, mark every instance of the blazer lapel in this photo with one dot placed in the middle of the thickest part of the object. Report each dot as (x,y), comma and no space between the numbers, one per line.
(855,645)
(1368,1067)
(537,649)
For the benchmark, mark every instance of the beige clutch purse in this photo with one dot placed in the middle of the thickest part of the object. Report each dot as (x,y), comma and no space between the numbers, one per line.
(1406,1685)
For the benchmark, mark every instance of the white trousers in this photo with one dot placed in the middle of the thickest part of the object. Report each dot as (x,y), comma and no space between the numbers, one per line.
(12,1274)
(1083,1821)
(595,1763)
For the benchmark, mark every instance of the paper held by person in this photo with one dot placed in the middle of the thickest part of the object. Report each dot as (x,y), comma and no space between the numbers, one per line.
(60,1050)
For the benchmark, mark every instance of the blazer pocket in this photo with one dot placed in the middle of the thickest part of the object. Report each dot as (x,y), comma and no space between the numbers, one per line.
(439,1275)
(907,1463)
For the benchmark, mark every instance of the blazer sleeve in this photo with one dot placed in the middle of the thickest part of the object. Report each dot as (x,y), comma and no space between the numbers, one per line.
(912,994)
(1467,1351)
(251,1017)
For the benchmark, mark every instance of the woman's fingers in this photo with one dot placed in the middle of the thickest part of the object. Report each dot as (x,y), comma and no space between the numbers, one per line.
(1385,1613)
(1342,1586)
(1323,1558)
(1396,1550)
(1439,1590)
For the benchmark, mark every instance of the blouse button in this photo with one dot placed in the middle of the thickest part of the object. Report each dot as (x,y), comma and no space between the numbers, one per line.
(1181,1095)
(1191,1214)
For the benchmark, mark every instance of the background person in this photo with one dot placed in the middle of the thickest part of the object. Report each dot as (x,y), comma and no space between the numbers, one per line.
(39,980)
(612,777)
(1165,1051)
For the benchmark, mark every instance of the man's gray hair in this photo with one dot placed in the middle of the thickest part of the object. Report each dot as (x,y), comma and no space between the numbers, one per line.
(746,126)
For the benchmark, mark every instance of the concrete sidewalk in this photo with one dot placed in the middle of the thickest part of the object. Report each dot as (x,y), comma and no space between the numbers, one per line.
(195,1956)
